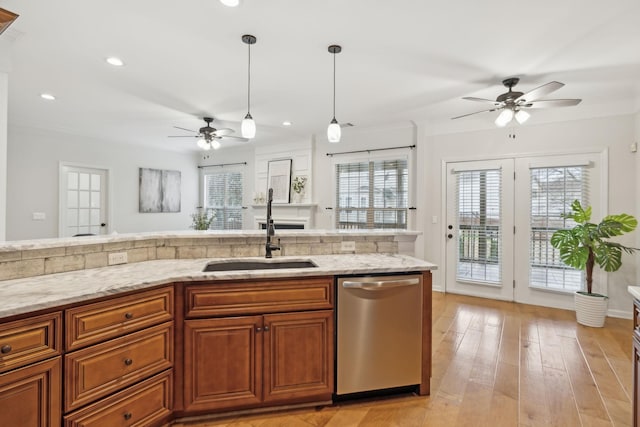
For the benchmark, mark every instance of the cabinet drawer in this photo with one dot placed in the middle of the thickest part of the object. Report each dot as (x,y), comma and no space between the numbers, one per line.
(257,297)
(94,372)
(29,340)
(144,404)
(104,320)
(636,318)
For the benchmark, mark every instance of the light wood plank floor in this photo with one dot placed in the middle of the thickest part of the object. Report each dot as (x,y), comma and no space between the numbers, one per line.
(497,364)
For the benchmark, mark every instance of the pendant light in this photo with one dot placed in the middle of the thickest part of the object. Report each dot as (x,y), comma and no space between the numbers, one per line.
(333,131)
(248,126)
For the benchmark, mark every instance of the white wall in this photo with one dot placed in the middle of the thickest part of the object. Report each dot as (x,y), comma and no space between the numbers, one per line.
(614,133)
(32,182)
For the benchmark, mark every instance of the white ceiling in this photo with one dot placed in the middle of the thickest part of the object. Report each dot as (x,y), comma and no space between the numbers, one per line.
(401,61)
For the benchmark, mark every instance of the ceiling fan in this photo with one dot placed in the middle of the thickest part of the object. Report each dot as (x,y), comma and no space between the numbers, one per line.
(514,104)
(208,136)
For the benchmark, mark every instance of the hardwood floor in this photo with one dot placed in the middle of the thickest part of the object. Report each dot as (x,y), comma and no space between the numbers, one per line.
(497,364)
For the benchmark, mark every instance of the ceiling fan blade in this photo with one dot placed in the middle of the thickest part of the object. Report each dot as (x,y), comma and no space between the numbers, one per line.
(237,138)
(182,136)
(549,103)
(477,112)
(188,130)
(538,92)
(484,100)
(224,132)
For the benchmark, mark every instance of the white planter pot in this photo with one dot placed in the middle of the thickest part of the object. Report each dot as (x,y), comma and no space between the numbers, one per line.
(591,310)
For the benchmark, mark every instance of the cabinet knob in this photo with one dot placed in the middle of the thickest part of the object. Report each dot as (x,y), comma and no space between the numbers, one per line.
(266,329)
(128,362)
(128,415)
(5,349)
(128,315)
(258,329)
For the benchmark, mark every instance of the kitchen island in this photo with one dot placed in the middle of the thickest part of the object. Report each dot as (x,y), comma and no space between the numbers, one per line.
(157,340)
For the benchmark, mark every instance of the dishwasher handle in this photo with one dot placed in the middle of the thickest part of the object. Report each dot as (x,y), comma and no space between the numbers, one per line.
(379,285)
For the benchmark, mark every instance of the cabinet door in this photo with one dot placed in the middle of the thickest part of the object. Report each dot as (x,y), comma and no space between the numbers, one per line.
(30,397)
(222,363)
(636,383)
(298,357)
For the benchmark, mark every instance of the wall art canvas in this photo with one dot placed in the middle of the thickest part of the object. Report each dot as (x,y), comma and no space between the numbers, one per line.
(159,190)
(279,178)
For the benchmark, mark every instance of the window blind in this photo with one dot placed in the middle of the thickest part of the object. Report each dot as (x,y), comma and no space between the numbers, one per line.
(372,194)
(223,196)
(479,225)
(553,189)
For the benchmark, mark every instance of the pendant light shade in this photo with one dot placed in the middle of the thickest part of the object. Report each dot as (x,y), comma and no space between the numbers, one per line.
(333,131)
(248,126)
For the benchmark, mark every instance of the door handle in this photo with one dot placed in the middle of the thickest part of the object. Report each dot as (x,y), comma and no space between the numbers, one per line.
(381,284)
(450,236)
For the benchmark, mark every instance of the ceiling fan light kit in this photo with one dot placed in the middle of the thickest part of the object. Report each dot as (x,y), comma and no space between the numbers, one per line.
(512,104)
(333,131)
(248,127)
(208,136)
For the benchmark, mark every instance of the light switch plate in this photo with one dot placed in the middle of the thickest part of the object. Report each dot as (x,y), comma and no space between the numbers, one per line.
(39,216)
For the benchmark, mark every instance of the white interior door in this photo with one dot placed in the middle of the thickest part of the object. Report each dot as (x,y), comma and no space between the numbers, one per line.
(83,201)
(479,228)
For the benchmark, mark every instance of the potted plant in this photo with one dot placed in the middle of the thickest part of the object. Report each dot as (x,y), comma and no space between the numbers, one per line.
(202,219)
(588,244)
(299,182)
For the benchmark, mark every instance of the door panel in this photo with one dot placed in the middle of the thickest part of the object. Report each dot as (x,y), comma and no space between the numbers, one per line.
(83,201)
(479,228)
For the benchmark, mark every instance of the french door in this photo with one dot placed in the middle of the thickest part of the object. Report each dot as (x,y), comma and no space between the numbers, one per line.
(500,216)
(83,201)
(479,230)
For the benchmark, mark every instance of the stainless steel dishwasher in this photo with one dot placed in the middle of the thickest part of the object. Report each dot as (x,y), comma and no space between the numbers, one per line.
(379,332)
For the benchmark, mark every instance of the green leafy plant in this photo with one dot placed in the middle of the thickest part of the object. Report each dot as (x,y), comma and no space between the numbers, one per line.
(298,184)
(202,219)
(587,244)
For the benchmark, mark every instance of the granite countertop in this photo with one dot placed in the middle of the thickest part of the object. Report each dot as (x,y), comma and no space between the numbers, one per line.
(635,291)
(21,296)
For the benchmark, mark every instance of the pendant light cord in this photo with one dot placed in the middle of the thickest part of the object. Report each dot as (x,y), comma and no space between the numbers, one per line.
(249,82)
(334,85)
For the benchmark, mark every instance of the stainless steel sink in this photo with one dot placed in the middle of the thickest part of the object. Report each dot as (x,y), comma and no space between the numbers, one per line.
(256,265)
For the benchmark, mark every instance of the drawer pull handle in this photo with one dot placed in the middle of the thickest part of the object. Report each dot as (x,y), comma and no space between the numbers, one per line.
(266,329)
(128,362)
(5,349)
(128,315)
(127,416)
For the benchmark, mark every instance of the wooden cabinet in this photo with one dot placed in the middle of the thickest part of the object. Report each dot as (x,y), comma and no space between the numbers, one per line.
(30,369)
(636,382)
(119,360)
(266,357)
(93,323)
(30,396)
(146,403)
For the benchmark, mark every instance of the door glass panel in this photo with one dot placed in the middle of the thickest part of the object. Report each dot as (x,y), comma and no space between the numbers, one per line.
(72,199)
(84,199)
(83,181)
(95,199)
(83,216)
(479,226)
(72,181)
(95,182)
(72,217)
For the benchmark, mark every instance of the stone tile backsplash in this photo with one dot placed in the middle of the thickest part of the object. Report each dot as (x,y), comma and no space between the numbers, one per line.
(28,262)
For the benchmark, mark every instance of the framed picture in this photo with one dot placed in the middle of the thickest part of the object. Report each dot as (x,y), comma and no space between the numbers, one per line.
(279,178)
(159,190)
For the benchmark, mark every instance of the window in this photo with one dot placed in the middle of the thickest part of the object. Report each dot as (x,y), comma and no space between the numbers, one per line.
(479,225)
(553,189)
(372,194)
(223,196)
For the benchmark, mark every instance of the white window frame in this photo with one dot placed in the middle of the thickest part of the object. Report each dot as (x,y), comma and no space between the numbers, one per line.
(407,154)
(213,170)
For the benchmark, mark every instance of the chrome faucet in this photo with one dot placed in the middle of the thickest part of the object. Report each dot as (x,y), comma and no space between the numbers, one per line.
(271,231)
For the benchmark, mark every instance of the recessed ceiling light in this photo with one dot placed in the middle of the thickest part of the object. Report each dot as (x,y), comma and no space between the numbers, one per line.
(116,62)
(230,3)
(47,96)
(286,123)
